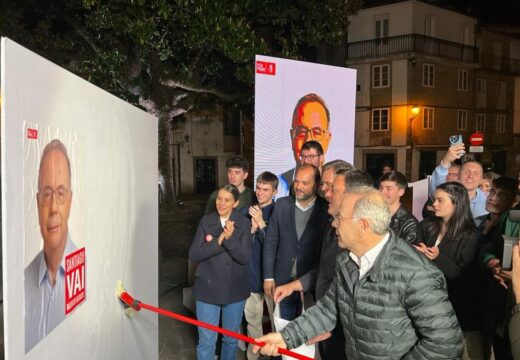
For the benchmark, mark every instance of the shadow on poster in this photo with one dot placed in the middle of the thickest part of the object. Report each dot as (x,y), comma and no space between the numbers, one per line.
(54,267)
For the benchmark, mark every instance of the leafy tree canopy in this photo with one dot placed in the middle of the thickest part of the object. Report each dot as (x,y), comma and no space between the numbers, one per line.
(170,56)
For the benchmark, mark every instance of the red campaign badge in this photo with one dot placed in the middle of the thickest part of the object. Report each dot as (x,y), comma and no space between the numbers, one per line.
(209,238)
(74,279)
(32,133)
(264,67)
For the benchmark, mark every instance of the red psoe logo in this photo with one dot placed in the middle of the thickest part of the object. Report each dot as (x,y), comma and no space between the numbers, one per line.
(74,279)
(32,134)
(264,67)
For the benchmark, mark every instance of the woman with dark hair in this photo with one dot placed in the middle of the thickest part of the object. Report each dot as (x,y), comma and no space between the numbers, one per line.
(450,240)
(222,247)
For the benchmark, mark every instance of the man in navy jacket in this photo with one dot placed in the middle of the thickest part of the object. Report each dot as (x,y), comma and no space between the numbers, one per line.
(292,244)
(266,185)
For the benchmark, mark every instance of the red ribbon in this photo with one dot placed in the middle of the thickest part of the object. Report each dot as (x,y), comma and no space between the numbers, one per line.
(138,305)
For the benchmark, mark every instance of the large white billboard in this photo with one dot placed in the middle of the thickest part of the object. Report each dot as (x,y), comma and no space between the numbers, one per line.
(296,102)
(79,213)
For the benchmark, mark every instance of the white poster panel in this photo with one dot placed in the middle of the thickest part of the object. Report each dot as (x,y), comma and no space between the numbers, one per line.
(79,206)
(296,102)
(420,196)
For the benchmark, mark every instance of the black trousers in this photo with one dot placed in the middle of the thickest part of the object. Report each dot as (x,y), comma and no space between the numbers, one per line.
(334,347)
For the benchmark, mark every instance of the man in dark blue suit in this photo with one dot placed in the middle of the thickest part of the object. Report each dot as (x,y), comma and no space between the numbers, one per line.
(292,243)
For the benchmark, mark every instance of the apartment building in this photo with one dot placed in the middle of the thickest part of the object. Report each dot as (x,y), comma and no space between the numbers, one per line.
(424,73)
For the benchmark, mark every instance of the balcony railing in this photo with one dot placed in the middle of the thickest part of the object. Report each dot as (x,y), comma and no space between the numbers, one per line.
(495,62)
(411,43)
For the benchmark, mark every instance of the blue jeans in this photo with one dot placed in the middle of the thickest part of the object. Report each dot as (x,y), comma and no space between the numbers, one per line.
(291,306)
(231,319)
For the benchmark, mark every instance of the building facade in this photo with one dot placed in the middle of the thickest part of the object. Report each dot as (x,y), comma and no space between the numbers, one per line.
(200,145)
(425,73)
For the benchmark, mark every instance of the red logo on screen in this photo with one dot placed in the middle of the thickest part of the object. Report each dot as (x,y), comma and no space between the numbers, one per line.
(32,134)
(74,279)
(264,67)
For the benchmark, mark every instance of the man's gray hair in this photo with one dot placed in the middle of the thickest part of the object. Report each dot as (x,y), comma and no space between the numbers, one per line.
(337,166)
(355,178)
(372,207)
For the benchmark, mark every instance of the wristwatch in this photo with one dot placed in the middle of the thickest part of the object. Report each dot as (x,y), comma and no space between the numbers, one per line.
(516,309)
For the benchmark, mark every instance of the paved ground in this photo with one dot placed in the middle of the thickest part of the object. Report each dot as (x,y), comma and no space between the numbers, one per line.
(177,226)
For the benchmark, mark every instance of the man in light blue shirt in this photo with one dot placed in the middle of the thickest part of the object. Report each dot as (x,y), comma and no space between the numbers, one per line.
(470,176)
(45,275)
(45,304)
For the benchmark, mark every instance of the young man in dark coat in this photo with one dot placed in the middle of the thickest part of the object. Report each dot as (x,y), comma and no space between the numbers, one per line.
(266,185)
(393,185)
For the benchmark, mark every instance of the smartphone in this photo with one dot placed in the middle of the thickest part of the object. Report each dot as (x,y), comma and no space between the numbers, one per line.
(507,254)
(455,139)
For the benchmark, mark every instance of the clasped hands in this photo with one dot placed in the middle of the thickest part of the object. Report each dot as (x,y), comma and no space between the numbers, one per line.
(257,220)
(431,252)
(228,231)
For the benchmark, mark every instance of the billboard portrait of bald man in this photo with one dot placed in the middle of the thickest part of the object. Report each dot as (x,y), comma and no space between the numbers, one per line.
(310,121)
(45,275)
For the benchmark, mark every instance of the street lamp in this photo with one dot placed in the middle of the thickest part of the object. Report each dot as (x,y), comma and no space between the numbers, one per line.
(415,111)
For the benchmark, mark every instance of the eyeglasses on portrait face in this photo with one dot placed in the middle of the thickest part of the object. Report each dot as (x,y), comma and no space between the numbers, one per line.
(316,133)
(60,195)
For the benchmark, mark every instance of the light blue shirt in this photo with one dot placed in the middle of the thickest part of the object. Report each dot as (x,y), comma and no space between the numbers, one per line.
(284,188)
(44,304)
(477,203)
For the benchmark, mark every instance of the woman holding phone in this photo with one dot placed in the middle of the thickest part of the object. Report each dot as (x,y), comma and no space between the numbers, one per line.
(222,247)
(450,240)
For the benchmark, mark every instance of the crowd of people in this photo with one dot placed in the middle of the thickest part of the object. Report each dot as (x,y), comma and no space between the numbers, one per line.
(375,282)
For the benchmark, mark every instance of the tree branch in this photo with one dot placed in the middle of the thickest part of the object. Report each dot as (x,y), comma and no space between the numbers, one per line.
(176,84)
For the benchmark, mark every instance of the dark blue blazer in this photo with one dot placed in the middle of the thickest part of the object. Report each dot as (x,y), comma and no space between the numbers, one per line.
(281,246)
(222,275)
(256,274)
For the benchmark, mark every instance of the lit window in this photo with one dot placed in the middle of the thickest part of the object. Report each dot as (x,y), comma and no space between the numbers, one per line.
(462,119)
(381,76)
(428,118)
(462,80)
(380,119)
(428,75)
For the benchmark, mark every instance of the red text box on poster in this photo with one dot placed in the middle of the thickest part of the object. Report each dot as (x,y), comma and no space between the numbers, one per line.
(32,134)
(265,67)
(74,279)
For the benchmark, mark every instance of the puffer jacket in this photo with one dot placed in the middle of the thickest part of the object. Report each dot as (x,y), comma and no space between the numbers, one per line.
(398,310)
(406,226)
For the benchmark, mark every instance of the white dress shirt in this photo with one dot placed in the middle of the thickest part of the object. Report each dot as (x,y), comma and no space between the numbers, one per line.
(368,259)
